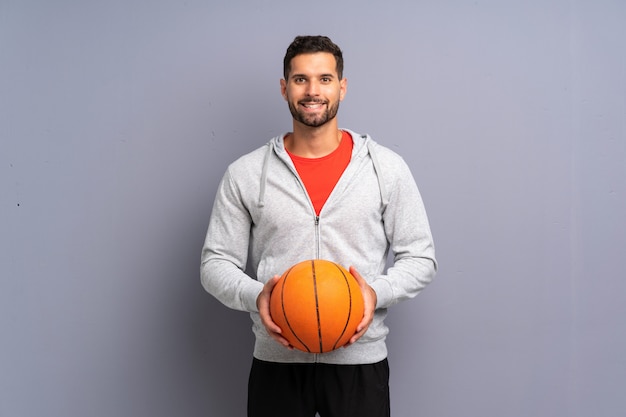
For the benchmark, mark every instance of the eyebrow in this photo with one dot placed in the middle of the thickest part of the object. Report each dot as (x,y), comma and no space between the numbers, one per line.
(329,75)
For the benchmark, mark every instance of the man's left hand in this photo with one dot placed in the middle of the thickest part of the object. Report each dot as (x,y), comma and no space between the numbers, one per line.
(369,305)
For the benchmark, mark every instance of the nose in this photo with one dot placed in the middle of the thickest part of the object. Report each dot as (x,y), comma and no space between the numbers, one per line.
(312,88)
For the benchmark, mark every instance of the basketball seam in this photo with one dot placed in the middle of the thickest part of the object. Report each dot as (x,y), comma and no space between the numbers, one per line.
(317,307)
(349,309)
(282,302)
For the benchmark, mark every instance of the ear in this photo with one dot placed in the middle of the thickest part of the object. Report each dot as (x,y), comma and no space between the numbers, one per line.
(343,85)
(283,88)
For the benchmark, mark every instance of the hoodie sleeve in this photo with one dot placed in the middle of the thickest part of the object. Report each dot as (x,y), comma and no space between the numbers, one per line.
(408,232)
(225,251)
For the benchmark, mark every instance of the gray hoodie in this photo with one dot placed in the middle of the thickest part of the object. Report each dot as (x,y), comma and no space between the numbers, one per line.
(264,222)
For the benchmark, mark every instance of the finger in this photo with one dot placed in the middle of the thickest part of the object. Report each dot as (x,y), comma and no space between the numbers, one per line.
(266,316)
(356,337)
(271,326)
(280,339)
(268,322)
(271,283)
(365,322)
(357,276)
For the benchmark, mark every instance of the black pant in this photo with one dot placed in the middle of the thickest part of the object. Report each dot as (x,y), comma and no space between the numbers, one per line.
(302,389)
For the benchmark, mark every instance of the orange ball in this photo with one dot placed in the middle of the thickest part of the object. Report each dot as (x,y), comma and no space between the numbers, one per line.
(318,305)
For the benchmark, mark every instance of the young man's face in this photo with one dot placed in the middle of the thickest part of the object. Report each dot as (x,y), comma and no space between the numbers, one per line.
(313,89)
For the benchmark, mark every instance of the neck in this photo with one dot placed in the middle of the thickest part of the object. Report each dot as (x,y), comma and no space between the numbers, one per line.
(313,142)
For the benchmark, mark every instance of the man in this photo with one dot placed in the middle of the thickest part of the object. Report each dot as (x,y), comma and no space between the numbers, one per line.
(317,192)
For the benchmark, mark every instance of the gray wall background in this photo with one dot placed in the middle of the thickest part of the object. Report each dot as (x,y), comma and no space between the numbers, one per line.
(118,118)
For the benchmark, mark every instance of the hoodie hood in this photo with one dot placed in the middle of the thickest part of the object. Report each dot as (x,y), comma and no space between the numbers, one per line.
(363,145)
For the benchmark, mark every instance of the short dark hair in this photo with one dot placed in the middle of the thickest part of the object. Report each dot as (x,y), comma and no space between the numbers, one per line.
(310,45)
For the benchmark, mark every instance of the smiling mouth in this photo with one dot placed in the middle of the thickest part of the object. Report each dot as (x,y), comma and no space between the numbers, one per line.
(312,105)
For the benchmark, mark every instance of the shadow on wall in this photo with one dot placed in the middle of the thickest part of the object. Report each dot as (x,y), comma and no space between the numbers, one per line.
(216,342)
(226,344)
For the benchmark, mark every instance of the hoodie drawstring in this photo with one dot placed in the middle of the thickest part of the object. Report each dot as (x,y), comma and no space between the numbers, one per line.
(266,163)
(381,184)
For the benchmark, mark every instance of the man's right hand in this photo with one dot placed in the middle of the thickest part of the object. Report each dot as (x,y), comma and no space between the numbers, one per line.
(263,304)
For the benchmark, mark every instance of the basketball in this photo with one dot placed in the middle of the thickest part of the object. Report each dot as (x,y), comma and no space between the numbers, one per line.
(318,305)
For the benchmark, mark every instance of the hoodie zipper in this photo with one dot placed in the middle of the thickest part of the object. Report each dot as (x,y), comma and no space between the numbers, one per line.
(317,256)
(317,236)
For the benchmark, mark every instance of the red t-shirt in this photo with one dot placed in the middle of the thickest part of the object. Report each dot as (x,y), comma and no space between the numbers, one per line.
(320,175)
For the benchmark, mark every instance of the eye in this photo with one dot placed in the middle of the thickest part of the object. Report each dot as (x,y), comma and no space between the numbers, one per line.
(299,80)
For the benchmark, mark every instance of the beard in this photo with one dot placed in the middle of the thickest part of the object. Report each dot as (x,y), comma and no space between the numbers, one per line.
(314,120)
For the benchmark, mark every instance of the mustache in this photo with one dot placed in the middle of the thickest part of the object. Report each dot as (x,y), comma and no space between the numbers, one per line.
(313,101)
